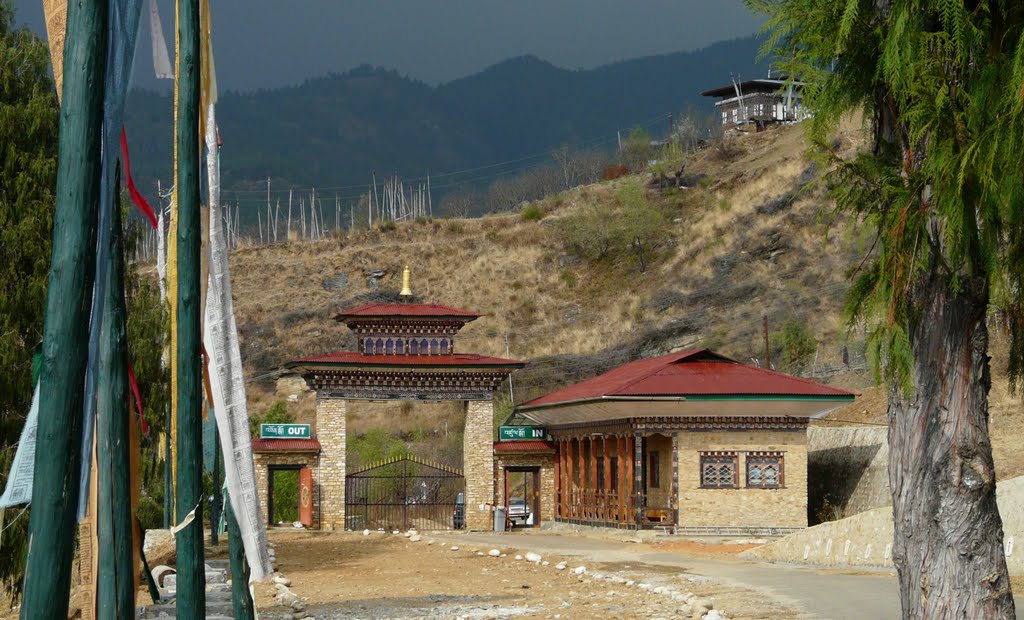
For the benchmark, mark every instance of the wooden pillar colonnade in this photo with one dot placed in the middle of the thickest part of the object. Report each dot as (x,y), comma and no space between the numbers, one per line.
(578,470)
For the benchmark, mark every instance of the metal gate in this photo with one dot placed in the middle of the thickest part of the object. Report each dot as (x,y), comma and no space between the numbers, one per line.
(403,493)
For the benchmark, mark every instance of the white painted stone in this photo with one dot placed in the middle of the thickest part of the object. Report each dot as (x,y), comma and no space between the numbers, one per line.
(494,553)
(545,563)
(519,557)
(366,532)
(713,615)
(533,557)
(867,552)
(284,581)
(846,547)
(807,551)
(561,566)
(828,547)
(454,548)
(580,570)
(646,586)
(479,552)
(888,551)
(415,538)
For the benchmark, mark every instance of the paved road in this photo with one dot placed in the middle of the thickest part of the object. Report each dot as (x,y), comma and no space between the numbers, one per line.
(827,594)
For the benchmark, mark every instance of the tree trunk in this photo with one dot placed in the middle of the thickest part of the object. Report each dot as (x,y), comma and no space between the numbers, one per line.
(948,546)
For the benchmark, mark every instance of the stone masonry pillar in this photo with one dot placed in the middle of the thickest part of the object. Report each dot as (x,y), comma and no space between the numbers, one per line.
(478,463)
(330,430)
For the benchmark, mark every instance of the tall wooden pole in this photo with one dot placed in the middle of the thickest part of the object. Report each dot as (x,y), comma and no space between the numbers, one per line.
(66,330)
(115,575)
(191,604)
(241,601)
(218,501)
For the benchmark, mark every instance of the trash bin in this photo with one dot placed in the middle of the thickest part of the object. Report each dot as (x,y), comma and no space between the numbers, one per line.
(499,518)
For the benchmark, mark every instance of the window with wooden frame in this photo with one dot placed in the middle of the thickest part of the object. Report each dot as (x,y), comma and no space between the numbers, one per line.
(765,470)
(615,473)
(600,473)
(718,470)
(653,470)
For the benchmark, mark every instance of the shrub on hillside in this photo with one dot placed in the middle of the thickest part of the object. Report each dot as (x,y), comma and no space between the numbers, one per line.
(794,345)
(277,414)
(615,233)
(532,212)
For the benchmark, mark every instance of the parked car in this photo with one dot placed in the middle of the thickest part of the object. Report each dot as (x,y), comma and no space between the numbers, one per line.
(459,514)
(518,510)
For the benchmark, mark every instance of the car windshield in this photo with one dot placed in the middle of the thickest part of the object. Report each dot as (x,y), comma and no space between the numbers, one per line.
(517,501)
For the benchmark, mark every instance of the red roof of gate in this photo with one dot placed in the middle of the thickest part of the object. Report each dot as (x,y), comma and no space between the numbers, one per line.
(353,358)
(407,310)
(286,445)
(695,372)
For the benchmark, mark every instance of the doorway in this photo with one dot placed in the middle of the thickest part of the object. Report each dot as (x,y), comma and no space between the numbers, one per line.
(522,496)
(283,494)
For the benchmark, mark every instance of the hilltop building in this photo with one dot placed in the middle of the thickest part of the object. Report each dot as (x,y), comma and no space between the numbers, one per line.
(691,440)
(759,102)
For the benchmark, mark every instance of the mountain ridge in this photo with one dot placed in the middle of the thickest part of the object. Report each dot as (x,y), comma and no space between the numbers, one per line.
(336,129)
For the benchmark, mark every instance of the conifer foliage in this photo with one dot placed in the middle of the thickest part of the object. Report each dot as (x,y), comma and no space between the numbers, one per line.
(941,86)
(28,176)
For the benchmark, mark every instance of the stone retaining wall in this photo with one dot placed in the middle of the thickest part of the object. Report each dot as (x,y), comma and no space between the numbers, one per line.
(847,471)
(866,539)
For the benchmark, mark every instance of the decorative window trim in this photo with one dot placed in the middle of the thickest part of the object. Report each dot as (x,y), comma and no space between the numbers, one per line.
(757,461)
(720,459)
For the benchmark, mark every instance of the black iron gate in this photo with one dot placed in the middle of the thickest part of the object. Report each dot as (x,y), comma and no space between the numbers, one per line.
(403,493)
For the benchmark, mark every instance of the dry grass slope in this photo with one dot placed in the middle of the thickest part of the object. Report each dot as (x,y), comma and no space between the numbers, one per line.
(748,241)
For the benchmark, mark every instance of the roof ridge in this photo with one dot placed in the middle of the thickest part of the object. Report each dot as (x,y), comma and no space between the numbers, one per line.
(675,357)
(796,378)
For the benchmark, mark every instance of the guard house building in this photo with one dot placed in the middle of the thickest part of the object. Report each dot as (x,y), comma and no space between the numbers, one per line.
(760,102)
(406,351)
(691,440)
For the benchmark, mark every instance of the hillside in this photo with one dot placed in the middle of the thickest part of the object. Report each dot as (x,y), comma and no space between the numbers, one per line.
(332,132)
(742,245)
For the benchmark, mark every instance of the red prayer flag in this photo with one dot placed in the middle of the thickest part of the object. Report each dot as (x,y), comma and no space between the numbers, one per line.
(137,197)
(138,399)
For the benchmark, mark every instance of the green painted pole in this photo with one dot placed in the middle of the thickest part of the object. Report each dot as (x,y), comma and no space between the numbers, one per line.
(115,571)
(66,330)
(218,501)
(240,598)
(191,598)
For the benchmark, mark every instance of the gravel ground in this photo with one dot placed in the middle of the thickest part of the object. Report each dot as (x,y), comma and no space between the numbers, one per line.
(348,576)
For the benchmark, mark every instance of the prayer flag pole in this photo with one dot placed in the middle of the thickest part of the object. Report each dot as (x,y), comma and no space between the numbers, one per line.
(114,520)
(66,329)
(191,598)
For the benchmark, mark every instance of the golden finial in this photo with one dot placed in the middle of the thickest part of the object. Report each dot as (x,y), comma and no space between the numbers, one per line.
(406,283)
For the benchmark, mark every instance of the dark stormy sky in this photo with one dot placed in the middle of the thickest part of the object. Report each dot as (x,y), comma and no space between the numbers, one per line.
(268,43)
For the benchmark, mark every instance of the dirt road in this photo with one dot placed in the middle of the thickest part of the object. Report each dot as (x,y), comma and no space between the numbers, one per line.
(379,576)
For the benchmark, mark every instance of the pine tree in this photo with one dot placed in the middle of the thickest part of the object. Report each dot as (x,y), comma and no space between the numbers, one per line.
(28,176)
(940,85)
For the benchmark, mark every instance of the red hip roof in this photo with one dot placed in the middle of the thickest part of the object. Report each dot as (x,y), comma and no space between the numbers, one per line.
(696,373)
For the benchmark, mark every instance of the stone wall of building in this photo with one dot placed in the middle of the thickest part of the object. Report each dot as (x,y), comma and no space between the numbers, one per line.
(263,461)
(546,463)
(330,414)
(478,464)
(742,506)
(847,471)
